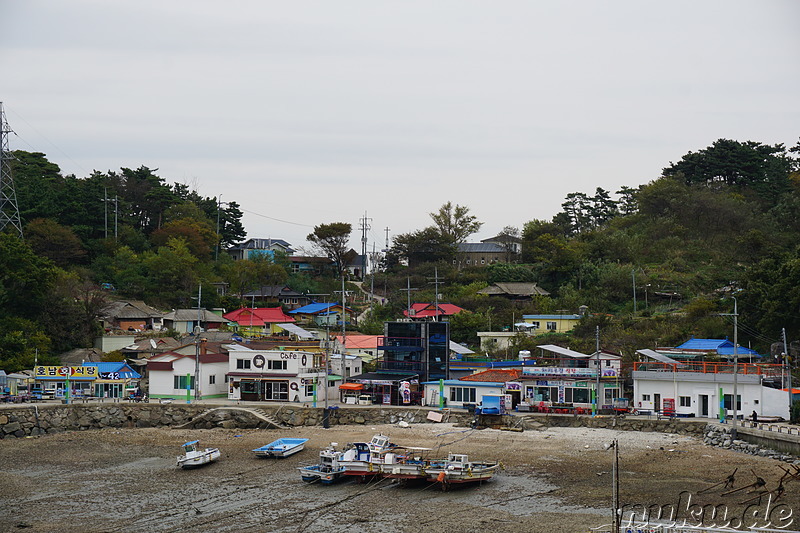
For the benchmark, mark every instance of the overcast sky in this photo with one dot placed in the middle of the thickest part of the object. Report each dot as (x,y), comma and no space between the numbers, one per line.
(310,112)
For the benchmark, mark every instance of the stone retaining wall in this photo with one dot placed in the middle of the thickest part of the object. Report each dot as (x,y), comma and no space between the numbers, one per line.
(53,418)
(39,419)
(753,443)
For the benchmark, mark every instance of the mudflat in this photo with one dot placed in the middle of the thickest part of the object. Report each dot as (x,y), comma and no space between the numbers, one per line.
(553,480)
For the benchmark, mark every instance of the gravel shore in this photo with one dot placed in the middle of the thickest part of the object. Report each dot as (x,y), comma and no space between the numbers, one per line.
(554,480)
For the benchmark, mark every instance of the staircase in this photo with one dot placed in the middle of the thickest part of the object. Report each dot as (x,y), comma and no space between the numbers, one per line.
(271,421)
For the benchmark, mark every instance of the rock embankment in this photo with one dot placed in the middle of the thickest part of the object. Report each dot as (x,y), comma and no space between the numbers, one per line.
(719,436)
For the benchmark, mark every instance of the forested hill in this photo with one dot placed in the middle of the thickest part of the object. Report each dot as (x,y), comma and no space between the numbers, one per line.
(653,264)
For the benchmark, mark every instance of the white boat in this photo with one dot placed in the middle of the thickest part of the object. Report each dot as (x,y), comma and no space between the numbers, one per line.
(194,456)
(363,459)
(281,448)
(404,462)
(458,469)
(327,470)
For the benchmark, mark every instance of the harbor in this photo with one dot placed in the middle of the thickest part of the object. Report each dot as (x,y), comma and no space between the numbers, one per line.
(552,480)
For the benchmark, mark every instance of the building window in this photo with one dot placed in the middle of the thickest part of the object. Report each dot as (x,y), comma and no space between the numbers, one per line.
(277,365)
(179,382)
(535,325)
(462,394)
(309,388)
(645,397)
(685,401)
(728,402)
(243,363)
(551,326)
(212,379)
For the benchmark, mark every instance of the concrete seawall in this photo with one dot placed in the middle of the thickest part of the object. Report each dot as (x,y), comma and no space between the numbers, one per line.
(39,419)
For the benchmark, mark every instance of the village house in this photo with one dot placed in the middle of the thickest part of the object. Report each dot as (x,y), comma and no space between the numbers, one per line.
(173,374)
(276,375)
(430,311)
(252,248)
(323,314)
(259,321)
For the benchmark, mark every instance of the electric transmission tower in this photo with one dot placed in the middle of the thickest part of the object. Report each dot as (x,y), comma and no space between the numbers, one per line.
(9,211)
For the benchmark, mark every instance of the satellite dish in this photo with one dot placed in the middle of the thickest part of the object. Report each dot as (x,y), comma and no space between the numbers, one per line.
(153,343)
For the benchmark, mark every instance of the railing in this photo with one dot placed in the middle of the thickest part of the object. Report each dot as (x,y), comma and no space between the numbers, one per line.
(388,343)
(710,368)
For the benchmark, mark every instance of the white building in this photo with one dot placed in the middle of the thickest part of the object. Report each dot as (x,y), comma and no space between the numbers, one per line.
(170,372)
(702,389)
(276,375)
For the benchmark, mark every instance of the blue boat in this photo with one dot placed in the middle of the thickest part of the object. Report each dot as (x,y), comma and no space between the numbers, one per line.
(281,448)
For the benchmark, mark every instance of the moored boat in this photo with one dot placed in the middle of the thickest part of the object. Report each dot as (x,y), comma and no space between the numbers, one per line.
(404,462)
(194,456)
(363,459)
(458,469)
(327,470)
(281,448)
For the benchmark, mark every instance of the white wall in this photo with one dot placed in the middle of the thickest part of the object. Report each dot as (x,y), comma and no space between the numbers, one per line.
(765,401)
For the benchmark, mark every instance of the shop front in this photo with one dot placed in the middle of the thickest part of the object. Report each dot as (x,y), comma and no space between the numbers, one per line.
(64,382)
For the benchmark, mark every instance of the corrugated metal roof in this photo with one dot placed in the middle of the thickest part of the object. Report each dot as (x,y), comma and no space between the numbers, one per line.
(660,357)
(297,330)
(480,247)
(563,351)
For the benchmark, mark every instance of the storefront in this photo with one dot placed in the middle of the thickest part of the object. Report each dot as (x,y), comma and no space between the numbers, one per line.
(64,382)
(273,376)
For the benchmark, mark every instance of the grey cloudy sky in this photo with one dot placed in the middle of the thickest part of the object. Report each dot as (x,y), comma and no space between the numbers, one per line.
(309,112)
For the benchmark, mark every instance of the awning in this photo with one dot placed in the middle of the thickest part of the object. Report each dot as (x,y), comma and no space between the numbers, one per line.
(563,351)
(351,386)
(455,347)
(652,354)
(297,330)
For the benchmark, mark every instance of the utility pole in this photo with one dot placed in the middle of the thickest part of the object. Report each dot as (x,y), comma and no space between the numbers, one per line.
(633,275)
(597,384)
(9,209)
(436,284)
(364,227)
(788,361)
(408,290)
(735,365)
(197,331)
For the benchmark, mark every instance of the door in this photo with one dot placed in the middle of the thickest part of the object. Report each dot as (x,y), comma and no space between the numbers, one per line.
(657,402)
(704,405)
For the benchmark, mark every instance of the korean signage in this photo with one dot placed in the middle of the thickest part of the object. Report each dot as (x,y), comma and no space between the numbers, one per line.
(559,371)
(63,372)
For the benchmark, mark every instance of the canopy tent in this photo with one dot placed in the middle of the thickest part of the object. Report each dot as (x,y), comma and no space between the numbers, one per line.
(297,330)
(652,354)
(351,386)
(455,347)
(563,351)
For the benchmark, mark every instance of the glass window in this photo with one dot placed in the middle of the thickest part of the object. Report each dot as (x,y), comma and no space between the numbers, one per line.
(645,397)
(580,395)
(179,382)
(551,326)
(728,401)
(685,401)
(212,379)
(243,363)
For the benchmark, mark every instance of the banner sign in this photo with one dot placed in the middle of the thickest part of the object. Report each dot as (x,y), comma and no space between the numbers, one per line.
(558,371)
(63,372)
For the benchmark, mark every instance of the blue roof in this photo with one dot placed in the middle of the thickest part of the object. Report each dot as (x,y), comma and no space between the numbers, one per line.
(551,317)
(125,372)
(317,308)
(191,442)
(721,346)
(460,383)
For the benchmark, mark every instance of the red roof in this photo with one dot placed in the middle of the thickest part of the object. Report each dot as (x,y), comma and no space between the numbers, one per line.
(430,310)
(258,316)
(494,375)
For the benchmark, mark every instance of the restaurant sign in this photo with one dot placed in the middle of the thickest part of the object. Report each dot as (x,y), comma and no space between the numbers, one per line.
(558,371)
(63,372)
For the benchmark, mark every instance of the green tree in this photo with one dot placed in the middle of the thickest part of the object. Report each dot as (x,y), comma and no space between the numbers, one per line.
(332,239)
(428,245)
(58,243)
(455,223)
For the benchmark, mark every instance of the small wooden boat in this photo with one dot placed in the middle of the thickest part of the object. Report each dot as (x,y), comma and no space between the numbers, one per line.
(281,448)
(404,462)
(327,470)
(194,456)
(458,469)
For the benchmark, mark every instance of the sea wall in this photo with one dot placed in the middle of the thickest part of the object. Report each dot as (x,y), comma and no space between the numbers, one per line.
(40,419)
(765,443)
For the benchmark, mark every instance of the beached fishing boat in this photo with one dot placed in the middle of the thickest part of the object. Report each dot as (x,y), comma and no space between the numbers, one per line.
(404,462)
(281,448)
(327,470)
(194,455)
(363,459)
(457,468)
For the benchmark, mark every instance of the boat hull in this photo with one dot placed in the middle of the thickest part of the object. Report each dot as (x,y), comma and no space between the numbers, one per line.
(198,459)
(281,448)
(312,474)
